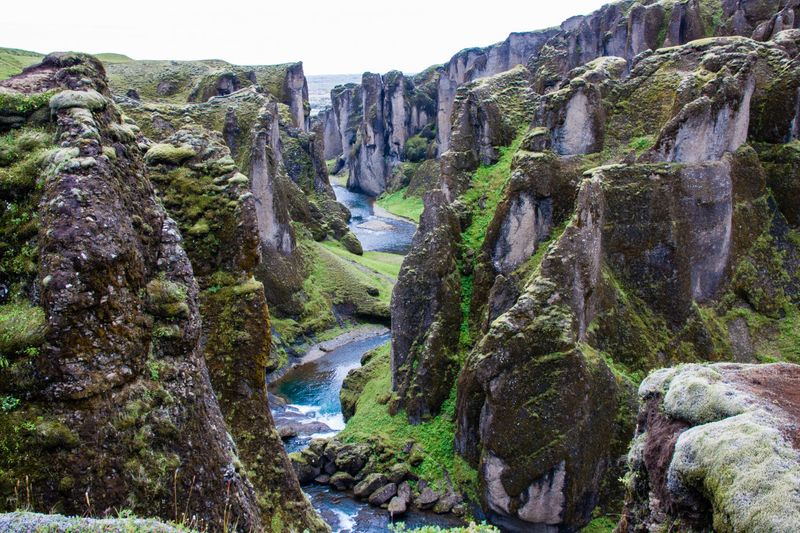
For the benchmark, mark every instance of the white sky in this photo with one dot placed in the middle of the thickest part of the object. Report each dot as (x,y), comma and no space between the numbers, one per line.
(334,37)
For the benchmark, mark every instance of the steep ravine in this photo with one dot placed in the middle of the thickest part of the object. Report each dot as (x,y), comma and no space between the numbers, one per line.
(306,404)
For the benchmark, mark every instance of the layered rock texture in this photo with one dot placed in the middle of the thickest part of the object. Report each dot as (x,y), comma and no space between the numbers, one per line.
(606,216)
(133,336)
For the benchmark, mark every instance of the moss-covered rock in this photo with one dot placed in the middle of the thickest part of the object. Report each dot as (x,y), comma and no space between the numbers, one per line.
(714,448)
(167,154)
(91,100)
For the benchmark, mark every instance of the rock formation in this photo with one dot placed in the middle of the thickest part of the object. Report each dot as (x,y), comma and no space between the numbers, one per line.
(411,106)
(716,447)
(113,406)
(649,263)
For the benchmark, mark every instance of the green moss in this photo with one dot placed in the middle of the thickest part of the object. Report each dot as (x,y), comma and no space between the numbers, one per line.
(433,439)
(484,193)
(23,104)
(22,159)
(602,524)
(22,326)
(402,204)
(167,154)
(205,214)
(416,149)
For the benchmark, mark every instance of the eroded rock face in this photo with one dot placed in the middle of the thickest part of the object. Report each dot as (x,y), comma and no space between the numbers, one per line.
(474,63)
(120,383)
(667,235)
(426,314)
(716,447)
(236,322)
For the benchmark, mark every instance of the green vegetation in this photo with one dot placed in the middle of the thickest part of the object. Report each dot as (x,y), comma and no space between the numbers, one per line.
(24,104)
(22,159)
(337,277)
(602,524)
(12,61)
(168,154)
(432,457)
(379,262)
(485,192)
(111,57)
(22,326)
(402,204)
(416,149)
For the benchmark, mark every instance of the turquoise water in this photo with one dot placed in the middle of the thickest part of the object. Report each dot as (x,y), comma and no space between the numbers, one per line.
(396,239)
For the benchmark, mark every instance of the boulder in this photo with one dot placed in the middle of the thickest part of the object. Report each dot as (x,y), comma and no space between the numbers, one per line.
(342,480)
(426,499)
(383,494)
(369,484)
(305,470)
(397,506)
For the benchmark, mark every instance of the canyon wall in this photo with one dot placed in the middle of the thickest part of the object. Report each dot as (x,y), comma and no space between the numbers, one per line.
(394,107)
(635,227)
(137,316)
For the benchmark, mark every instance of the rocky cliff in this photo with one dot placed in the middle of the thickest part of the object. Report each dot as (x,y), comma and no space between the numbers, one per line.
(148,329)
(616,214)
(394,108)
(179,82)
(107,398)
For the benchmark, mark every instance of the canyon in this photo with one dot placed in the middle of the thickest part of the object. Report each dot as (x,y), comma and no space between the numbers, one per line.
(550,285)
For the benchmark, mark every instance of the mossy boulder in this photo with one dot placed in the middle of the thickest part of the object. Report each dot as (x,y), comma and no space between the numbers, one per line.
(168,154)
(91,100)
(723,456)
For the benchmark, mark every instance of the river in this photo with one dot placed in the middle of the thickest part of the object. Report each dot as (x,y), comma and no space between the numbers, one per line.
(311,389)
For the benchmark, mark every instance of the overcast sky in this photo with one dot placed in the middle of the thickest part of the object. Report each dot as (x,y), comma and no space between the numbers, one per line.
(349,36)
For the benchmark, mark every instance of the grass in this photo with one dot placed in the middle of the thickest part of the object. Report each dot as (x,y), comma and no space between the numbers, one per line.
(12,61)
(486,188)
(773,339)
(602,524)
(433,439)
(334,280)
(379,262)
(111,57)
(399,204)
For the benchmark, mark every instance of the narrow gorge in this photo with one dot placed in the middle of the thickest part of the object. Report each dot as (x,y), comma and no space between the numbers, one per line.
(550,285)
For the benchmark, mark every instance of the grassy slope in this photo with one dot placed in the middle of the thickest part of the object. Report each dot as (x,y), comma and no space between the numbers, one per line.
(12,61)
(434,438)
(398,203)
(337,277)
(380,262)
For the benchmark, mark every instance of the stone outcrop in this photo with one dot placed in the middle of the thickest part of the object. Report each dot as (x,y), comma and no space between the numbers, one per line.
(716,447)
(426,314)
(115,396)
(179,82)
(651,268)
(429,101)
(223,241)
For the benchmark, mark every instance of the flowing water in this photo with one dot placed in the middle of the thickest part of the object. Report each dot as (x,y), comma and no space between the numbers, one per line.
(377,230)
(312,389)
